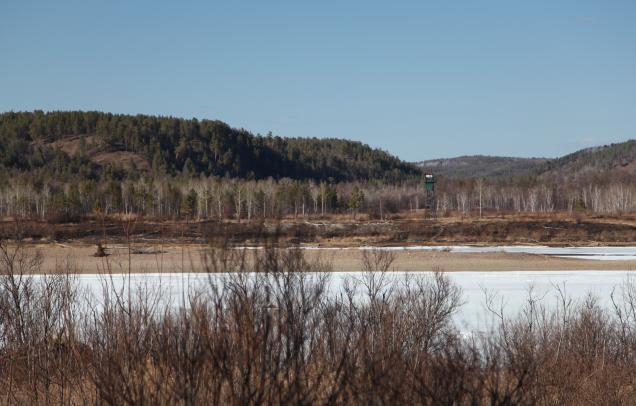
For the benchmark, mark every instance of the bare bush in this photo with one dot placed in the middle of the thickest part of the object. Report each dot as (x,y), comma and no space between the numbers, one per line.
(271,327)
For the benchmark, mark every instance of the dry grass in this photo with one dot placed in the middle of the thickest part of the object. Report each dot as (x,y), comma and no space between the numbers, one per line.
(278,336)
(411,228)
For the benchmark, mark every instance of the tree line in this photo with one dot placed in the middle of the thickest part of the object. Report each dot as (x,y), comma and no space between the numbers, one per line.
(207,198)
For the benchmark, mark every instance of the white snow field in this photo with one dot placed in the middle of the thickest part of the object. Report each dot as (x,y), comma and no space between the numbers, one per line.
(597,253)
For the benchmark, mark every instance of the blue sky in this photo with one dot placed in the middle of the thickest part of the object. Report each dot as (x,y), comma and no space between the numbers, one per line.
(421,79)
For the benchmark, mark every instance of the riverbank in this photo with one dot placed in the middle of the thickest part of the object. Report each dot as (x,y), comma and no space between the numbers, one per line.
(556,229)
(79,258)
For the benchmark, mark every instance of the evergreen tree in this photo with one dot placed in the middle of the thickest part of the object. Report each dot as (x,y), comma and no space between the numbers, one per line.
(189,204)
(356,200)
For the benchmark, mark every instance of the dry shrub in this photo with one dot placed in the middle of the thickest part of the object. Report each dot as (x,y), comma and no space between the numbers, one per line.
(271,327)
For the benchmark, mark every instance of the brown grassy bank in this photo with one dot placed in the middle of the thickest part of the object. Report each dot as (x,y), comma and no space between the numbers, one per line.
(181,257)
(555,229)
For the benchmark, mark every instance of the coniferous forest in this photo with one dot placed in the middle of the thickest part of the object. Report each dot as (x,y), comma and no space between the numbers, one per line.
(61,166)
(172,146)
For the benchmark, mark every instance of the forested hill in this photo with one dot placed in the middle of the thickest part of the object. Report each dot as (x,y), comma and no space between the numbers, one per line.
(606,161)
(619,159)
(481,166)
(91,143)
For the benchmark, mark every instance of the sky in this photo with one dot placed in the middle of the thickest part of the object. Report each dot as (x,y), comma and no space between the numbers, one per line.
(420,79)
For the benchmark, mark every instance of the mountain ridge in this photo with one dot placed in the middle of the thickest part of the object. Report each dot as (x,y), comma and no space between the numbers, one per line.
(469,166)
(616,157)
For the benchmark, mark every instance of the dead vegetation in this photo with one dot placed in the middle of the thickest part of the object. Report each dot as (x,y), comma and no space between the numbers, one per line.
(557,229)
(268,330)
(89,145)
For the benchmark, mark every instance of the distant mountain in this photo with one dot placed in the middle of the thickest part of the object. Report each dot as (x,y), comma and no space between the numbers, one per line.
(619,158)
(477,166)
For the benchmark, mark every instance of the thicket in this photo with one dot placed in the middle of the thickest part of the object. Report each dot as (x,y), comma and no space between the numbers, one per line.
(273,331)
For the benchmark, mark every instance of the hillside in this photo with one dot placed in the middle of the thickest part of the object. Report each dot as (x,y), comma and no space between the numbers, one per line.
(92,143)
(619,159)
(478,166)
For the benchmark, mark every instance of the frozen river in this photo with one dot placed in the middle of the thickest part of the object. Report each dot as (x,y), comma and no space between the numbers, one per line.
(511,288)
(595,253)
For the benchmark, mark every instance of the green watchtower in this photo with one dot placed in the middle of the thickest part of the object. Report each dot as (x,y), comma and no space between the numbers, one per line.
(429,186)
(429,182)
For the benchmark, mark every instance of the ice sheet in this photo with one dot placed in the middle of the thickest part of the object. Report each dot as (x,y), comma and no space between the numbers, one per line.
(511,288)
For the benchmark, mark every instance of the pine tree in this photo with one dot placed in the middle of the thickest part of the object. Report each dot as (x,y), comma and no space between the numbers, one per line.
(189,204)
(356,200)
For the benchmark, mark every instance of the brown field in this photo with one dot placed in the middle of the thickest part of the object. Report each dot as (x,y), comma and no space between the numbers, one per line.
(190,258)
(404,229)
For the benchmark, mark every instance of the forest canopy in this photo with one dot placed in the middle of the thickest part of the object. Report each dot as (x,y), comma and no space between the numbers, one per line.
(173,146)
